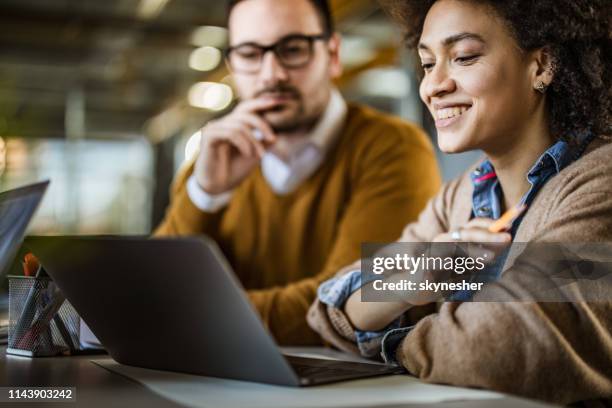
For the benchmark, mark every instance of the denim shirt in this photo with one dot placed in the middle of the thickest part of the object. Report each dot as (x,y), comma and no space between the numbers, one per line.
(486,202)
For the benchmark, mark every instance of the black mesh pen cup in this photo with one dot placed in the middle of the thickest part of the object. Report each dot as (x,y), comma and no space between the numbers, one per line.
(41,322)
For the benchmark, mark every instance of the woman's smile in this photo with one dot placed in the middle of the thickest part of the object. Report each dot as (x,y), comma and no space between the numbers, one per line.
(449,115)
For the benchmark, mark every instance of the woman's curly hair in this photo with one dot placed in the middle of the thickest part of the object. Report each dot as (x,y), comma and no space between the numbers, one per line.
(578,35)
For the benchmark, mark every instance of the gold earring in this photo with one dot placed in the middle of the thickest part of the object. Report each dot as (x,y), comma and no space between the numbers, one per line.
(540,87)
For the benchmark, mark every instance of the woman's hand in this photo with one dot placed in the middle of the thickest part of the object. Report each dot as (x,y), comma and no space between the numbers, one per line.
(477,231)
(372,316)
(474,240)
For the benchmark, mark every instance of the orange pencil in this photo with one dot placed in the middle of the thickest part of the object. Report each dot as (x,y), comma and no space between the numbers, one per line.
(30,265)
(505,221)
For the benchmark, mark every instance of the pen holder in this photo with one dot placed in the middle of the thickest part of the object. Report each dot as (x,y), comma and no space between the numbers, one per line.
(41,322)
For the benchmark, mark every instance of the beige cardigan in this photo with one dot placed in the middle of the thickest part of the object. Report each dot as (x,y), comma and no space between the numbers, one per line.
(559,352)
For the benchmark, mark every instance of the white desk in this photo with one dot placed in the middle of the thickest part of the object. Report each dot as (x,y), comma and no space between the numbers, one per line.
(100,387)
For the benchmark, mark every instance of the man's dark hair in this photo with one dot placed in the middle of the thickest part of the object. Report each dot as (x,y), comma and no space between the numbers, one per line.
(579,37)
(321,6)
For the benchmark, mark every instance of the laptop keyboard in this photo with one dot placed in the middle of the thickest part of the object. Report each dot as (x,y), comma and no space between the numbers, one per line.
(322,369)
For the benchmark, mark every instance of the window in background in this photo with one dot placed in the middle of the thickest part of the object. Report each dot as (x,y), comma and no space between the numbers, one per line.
(97,186)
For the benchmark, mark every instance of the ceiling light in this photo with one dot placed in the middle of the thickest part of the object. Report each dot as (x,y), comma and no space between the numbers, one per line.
(193,145)
(204,58)
(150,9)
(356,51)
(209,35)
(210,95)
(386,82)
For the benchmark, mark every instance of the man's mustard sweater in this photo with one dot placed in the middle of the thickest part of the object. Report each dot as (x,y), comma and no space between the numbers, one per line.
(376,178)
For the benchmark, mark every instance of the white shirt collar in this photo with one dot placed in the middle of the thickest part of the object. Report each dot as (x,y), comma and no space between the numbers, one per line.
(327,130)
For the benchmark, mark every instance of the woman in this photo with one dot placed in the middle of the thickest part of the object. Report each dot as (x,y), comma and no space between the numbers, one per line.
(529,83)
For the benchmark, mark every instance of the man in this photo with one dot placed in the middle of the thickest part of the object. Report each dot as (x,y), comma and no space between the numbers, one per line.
(293,180)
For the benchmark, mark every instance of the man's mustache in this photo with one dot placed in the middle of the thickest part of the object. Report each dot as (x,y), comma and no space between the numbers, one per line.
(284,89)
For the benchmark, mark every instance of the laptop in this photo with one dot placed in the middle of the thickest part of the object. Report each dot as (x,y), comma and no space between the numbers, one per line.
(17,207)
(175,305)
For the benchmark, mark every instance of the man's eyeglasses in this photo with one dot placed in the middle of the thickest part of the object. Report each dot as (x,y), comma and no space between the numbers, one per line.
(293,51)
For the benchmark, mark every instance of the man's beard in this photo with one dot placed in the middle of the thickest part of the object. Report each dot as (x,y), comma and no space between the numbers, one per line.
(285,122)
(289,122)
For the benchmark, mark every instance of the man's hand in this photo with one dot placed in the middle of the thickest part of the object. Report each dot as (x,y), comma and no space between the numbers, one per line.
(229,150)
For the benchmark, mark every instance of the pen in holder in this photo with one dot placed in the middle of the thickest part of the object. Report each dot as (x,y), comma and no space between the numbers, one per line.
(41,321)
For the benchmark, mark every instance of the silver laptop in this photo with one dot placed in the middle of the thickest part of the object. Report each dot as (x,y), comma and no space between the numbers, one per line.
(176,305)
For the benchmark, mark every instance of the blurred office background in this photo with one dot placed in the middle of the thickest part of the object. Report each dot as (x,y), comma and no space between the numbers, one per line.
(105,98)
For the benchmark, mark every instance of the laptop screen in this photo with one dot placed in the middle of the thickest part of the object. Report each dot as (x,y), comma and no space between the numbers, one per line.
(17,207)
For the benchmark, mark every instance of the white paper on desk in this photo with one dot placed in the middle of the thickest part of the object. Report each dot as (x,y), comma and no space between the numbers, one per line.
(197,391)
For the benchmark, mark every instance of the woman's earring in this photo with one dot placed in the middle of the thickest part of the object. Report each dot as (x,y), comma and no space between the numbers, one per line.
(540,87)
